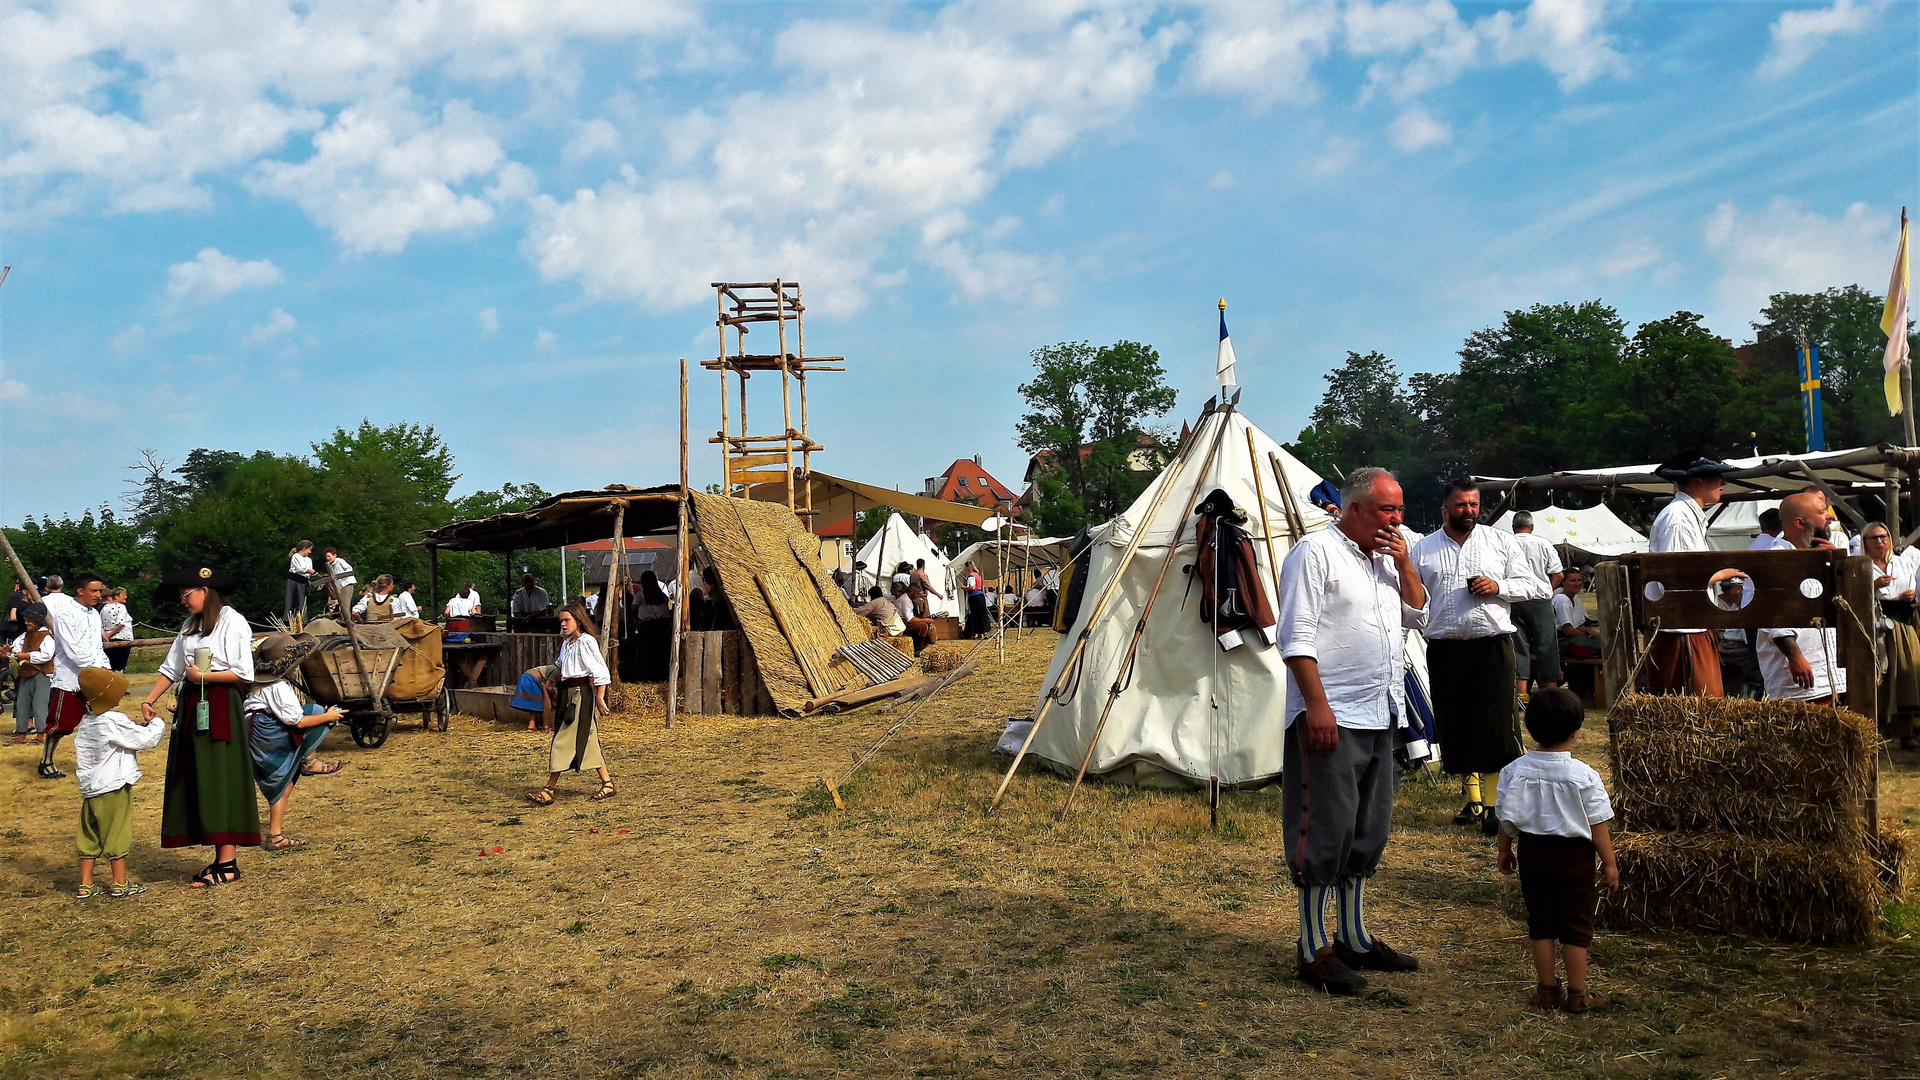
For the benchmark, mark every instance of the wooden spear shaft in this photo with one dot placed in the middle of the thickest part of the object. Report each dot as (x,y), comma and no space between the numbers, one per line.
(1266,526)
(680,559)
(1140,627)
(1099,608)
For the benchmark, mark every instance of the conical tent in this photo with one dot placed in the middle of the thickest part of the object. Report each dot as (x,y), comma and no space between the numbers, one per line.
(897,543)
(1188,711)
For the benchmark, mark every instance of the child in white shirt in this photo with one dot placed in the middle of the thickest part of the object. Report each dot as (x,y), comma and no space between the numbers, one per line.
(103,763)
(1557,808)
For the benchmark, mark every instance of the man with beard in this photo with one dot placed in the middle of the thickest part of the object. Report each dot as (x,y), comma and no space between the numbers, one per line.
(1347,596)
(78,642)
(1685,661)
(1472,575)
(1802,663)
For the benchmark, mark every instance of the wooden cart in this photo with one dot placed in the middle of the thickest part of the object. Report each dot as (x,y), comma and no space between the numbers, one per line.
(355,674)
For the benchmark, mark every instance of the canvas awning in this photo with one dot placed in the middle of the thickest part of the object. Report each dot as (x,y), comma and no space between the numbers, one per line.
(1862,469)
(835,499)
(573,517)
(1042,553)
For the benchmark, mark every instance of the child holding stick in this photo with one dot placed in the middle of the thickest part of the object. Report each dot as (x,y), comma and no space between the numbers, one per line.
(1554,812)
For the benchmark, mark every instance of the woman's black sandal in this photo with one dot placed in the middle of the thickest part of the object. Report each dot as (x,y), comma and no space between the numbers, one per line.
(219,873)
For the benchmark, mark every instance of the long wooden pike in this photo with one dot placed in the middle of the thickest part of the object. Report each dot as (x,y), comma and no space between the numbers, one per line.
(1140,627)
(1266,526)
(1099,608)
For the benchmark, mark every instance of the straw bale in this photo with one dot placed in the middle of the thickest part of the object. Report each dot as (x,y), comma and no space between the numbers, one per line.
(753,539)
(1892,854)
(1767,770)
(1723,883)
(943,656)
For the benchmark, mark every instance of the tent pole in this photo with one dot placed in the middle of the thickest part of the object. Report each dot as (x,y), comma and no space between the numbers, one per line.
(1266,528)
(1099,608)
(1140,626)
(680,561)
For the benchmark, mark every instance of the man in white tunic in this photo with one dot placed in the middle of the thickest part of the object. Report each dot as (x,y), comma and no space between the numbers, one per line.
(1802,663)
(1347,596)
(1472,574)
(78,642)
(1685,661)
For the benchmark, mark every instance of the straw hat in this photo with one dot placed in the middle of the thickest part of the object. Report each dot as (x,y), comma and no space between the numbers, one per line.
(103,688)
(277,655)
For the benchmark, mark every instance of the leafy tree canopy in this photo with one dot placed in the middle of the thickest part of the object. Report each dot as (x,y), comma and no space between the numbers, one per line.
(1090,410)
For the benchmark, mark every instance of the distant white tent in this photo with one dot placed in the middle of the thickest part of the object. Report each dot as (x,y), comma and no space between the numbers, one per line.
(897,543)
(1733,526)
(1596,530)
(1187,711)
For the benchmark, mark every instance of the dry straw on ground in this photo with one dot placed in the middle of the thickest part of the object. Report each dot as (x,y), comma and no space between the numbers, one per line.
(1741,816)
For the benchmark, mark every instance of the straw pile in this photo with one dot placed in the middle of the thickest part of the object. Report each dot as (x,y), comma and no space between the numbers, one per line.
(943,656)
(1739,816)
(752,544)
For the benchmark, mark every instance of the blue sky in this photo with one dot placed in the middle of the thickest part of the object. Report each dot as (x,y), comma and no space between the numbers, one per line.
(240,225)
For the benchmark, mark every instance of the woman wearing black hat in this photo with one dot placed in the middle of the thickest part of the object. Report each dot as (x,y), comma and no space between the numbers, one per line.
(210,787)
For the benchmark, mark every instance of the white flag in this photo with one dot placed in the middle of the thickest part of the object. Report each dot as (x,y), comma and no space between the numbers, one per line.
(1223,364)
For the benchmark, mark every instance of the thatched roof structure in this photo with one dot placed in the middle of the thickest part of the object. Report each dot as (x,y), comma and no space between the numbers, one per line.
(769,567)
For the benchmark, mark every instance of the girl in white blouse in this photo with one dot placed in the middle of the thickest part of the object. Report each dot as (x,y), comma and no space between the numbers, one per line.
(581,697)
(209,787)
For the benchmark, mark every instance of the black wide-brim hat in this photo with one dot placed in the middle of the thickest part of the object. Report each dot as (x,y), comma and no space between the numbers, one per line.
(1688,467)
(196,577)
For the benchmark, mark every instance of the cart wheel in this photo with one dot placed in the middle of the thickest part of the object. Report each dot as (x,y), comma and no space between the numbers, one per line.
(371,732)
(441,716)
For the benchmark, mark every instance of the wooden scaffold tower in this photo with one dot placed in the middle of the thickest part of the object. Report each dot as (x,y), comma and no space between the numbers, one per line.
(749,460)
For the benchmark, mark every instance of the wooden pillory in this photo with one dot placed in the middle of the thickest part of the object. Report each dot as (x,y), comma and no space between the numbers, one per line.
(1744,590)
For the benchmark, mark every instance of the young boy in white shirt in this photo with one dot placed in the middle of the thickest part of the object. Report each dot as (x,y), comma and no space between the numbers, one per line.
(103,751)
(1557,808)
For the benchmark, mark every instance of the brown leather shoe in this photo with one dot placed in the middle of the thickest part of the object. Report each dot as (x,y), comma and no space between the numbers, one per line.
(1548,997)
(1379,958)
(1326,972)
(1578,1002)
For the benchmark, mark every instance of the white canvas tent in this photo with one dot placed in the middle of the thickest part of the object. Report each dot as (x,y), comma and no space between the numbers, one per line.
(1188,711)
(1732,526)
(1596,530)
(896,543)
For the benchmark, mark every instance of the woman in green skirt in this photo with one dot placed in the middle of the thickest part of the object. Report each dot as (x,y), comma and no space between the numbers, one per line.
(580,698)
(209,788)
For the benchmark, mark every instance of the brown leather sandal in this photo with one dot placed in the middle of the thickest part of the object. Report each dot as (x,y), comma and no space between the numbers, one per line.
(607,791)
(543,797)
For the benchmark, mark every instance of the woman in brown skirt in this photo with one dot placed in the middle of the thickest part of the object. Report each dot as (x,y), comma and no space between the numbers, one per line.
(580,696)
(209,787)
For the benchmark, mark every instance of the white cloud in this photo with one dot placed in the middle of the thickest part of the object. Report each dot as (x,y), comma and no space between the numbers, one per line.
(1797,35)
(278,323)
(879,135)
(1263,52)
(546,341)
(13,392)
(1416,129)
(1785,248)
(489,321)
(591,139)
(213,274)
(1564,36)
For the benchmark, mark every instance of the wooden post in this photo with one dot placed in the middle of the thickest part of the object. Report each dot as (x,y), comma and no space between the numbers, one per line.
(786,398)
(1619,640)
(433,583)
(612,600)
(509,604)
(680,559)
(19,571)
(1266,526)
(1892,499)
(1906,369)
(1854,584)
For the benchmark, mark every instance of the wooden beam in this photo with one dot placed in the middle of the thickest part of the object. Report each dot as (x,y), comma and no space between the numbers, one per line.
(1833,499)
(1619,641)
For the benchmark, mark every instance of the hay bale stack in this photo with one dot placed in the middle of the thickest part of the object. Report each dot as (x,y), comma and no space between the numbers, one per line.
(1746,817)
(943,656)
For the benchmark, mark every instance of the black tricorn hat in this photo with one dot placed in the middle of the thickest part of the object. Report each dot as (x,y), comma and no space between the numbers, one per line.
(1690,467)
(196,577)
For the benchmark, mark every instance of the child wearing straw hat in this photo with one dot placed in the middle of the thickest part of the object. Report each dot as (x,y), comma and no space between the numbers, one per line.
(103,763)
(282,733)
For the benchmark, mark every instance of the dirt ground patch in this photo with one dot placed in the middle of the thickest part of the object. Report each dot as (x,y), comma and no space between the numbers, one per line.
(719,918)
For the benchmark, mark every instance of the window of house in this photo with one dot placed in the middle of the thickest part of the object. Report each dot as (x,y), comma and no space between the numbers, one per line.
(963,481)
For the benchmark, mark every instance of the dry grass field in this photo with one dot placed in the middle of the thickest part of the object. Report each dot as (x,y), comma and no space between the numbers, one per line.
(720,918)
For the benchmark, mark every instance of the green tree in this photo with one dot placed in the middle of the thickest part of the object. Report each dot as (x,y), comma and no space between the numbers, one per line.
(1365,417)
(246,524)
(1845,324)
(1519,403)
(103,544)
(1089,410)
(1668,395)
(386,486)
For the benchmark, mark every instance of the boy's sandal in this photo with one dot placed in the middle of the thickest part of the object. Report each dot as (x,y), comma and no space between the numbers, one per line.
(1578,1002)
(607,791)
(49,772)
(281,842)
(88,892)
(121,892)
(1548,997)
(319,768)
(220,873)
(543,797)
